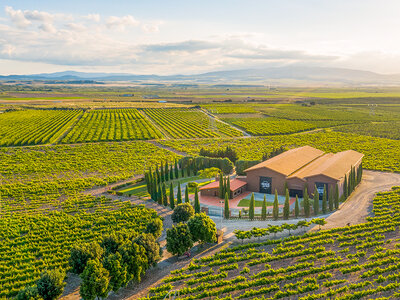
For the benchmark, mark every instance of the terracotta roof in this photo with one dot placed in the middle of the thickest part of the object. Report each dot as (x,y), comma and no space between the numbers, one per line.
(234,184)
(304,171)
(336,166)
(290,161)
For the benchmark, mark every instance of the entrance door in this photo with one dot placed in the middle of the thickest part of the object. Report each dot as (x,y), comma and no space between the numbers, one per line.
(320,189)
(265,185)
(293,193)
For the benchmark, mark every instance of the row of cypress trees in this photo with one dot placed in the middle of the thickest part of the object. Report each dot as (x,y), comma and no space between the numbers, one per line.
(224,186)
(351,181)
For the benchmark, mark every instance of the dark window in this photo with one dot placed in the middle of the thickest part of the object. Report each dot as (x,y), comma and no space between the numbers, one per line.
(265,185)
(293,193)
(320,189)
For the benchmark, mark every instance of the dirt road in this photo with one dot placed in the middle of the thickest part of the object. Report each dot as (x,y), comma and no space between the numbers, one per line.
(359,205)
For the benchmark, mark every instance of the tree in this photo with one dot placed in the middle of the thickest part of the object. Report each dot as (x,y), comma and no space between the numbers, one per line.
(275,210)
(171,173)
(209,172)
(159,195)
(286,206)
(251,207)
(179,239)
(264,209)
(155,227)
(202,228)
(135,258)
(196,200)
(151,246)
(330,200)
(324,201)
(187,200)
(296,207)
(114,264)
(110,243)
(306,203)
(337,197)
(320,222)
(316,200)
(95,281)
(228,186)
(81,254)
(162,174)
(182,170)
(51,284)
(182,213)
(176,170)
(345,186)
(166,171)
(226,209)
(171,196)
(158,175)
(274,229)
(164,195)
(28,293)
(179,194)
(221,186)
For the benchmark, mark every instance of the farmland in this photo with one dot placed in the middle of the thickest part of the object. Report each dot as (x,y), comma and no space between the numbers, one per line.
(111,125)
(342,263)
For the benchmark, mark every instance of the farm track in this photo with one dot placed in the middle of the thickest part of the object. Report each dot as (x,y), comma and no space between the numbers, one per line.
(156,143)
(219,120)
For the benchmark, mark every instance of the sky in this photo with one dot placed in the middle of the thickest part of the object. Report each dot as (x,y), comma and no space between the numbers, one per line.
(190,37)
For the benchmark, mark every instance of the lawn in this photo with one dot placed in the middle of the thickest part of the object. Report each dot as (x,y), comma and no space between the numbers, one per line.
(246,203)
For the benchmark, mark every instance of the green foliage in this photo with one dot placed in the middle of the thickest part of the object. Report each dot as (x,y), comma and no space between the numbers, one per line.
(275,210)
(81,254)
(179,194)
(151,246)
(241,165)
(196,201)
(316,201)
(179,239)
(226,207)
(286,206)
(251,207)
(135,258)
(28,293)
(187,200)
(171,196)
(209,172)
(202,228)
(306,203)
(182,213)
(155,227)
(95,281)
(264,209)
(296,207)
(324,201)
(51,284)
(118,273)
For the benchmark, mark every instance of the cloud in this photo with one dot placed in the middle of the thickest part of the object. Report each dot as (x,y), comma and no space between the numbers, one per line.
(120,23)
(92,17)
(185,46)
(17,17)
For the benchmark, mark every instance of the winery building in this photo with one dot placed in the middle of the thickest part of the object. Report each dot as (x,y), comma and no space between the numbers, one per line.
(300,167)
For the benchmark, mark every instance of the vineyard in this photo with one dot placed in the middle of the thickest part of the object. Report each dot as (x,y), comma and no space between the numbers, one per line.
(345,263)
(379,129)
(111,125)
(380,154)
(31,127)
(189,123)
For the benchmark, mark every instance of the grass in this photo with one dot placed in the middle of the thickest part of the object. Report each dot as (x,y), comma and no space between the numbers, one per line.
(258,203)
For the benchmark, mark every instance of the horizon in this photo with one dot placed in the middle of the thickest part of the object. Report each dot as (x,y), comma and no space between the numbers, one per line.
(185,38)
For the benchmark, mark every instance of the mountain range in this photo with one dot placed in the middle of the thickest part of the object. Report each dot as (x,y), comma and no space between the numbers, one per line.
(271,75)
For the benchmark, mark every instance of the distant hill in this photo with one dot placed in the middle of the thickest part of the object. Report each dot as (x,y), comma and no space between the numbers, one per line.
(274,75)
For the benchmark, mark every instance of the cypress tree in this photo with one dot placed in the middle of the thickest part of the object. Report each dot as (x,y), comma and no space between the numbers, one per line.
(330,199)
(176,170)
(154,189)
(228,186)
(196,201)
(187,200)
(188,169)
(166,172)
(221,186)
(179,194)
(194,167)
(345,187)
(275,211)
(264,209)
(171,173)
(285,186)
(148,182)
(296,207)
(226,208)
(159,194)
(337,197)
(349,185)
(164,199)
(286,207)
(158,175)
(224,190)
(182,171)
(171,196)
(251,207)
(162,174)
(306,203)
(324,201)
(316,201)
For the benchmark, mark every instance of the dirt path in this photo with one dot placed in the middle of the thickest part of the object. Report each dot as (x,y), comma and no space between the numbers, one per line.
(359,205)
(97,191)
(155,143)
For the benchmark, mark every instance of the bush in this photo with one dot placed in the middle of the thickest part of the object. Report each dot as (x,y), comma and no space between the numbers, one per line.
(202,228)
(182,213)
(80,255)
(51,284)
(155,227)
(193,184)
(179,239)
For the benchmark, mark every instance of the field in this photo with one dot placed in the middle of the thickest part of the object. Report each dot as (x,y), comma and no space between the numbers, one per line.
(31,127)
(111,125)
(52,157)
(189,123)
(343,263)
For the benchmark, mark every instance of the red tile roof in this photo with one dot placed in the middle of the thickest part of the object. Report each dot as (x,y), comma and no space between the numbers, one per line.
(234,185)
